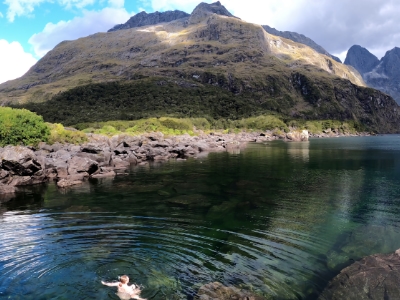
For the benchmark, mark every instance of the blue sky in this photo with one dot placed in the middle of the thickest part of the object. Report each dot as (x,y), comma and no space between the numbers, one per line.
(30,28)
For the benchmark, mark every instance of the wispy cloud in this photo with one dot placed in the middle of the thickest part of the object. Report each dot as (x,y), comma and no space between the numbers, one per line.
(19,8)
(91,22)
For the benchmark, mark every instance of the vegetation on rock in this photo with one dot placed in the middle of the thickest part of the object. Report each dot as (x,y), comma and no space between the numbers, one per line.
(58,133)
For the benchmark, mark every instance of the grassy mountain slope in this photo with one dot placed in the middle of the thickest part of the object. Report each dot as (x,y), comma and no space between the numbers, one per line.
(207,65)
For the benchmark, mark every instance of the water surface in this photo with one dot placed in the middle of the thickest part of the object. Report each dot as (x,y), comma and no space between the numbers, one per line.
(279,219)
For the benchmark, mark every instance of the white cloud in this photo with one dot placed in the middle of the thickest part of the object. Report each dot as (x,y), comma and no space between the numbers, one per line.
(14,61)
(1,15)
(20,7)
(91,22)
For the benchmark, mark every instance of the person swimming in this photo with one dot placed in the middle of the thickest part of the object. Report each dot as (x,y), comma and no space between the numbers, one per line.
(125,291)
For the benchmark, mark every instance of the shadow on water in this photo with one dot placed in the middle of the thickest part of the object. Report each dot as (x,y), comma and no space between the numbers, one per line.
(279,219)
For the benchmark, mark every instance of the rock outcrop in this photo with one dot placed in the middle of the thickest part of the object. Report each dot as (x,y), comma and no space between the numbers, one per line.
(217,291)
(383,75)
(107,157)
(300,38)
(375,277)
(145,19)
(204,9)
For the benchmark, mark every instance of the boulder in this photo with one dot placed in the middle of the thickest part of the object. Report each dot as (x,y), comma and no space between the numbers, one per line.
(298,136)
(217,291)
(19,161)
(63,183)
(118,163)
(82,165)
(374,277)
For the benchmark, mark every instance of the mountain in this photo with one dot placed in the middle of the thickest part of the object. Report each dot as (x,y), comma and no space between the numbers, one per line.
(383,75)
(210,64)
(361,59)
(145,19)
(300,38)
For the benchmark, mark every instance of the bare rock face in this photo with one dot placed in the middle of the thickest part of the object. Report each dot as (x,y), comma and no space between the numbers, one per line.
(361,59)
(300,38)
(374,277)
(144,19)
(19,161)
(383,75)
(204,9)
(217,291)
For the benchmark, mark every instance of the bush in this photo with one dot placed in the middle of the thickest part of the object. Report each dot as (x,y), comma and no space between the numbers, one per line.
(61,135)
(263,123)
(20,126)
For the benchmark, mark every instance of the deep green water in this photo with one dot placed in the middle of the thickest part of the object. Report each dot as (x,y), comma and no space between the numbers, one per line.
(280,219)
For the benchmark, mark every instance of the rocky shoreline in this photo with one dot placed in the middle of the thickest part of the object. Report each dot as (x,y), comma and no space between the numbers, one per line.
(102,156)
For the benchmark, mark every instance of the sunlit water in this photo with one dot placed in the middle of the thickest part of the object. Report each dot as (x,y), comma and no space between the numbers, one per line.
(279,219)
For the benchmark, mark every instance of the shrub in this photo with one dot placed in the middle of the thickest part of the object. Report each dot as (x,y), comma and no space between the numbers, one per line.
(20,126)
(268,122)
(61,135)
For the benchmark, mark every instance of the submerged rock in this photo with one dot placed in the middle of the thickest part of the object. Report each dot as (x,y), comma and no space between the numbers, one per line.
(217,291)
(374,277)
(361,242)
(63,183)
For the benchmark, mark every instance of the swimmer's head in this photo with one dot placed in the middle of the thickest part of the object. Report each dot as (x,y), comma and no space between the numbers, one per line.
(124,279)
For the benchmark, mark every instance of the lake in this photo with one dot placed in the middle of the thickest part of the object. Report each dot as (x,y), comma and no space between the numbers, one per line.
(279,219)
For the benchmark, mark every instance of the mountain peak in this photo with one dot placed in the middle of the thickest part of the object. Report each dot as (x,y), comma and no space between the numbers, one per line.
(361,59)
(144,19)
(204,9)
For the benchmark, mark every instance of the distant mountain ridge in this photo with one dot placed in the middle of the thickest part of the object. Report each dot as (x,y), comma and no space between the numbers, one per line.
(300,38)
(210,64)
(145,19)
(383,75)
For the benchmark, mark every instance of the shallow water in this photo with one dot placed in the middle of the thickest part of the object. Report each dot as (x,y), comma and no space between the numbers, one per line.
(280,219)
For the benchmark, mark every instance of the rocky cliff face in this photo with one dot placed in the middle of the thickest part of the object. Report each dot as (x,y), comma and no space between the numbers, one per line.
(361,59)
(144,19)
(204,10)
(383,74)
(300,38)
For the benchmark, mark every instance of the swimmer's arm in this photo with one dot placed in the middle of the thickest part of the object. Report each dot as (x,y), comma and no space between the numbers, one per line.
(110,283)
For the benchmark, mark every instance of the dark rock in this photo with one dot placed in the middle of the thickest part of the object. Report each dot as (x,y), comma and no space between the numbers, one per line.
(145,19)
(82,164)
(19,161)
(91,148)
(383,75)
(361,59)
(300,38)
(217,291)
(374,277)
